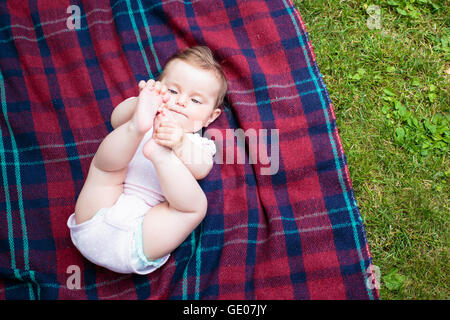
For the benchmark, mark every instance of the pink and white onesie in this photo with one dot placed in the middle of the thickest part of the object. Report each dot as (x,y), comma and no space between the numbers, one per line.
(112,238)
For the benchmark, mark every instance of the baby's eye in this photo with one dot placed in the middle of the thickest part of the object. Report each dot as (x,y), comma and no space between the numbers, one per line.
(195,101)
(172,91)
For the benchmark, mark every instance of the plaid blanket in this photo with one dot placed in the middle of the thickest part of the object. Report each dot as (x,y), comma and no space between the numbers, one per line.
(282,220)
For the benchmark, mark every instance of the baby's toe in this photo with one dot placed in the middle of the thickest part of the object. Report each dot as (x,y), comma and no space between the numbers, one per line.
(151,83)
(157,87)
(166,97)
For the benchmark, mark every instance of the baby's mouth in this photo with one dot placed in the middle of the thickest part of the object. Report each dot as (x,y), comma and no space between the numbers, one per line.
(170,114)
(177,112)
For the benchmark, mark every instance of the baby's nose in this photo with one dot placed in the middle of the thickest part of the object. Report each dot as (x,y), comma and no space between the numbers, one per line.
(182,100)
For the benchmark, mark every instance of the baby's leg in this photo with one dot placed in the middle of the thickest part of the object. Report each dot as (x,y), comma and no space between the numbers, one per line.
(108,169)
(167,225)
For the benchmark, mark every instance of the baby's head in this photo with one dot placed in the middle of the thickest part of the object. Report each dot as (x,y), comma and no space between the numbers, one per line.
(197,83)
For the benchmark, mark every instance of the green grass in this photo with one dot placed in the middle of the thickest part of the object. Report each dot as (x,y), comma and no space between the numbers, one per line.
(390,92)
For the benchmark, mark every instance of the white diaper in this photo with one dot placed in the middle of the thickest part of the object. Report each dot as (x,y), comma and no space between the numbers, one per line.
(113,237)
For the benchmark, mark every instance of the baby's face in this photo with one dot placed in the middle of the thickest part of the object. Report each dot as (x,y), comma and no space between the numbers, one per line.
(195,91)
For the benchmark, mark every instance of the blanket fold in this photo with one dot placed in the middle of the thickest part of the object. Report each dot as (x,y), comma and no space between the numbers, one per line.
(282,220)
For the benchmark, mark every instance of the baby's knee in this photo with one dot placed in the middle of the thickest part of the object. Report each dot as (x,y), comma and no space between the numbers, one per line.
(202,206)
(198,209)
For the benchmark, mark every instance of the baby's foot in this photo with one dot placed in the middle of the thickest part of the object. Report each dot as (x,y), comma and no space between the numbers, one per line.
(151,97)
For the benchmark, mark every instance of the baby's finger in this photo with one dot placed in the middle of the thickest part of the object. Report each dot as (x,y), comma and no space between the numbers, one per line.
(167,132)
(165,143)
(141,84)
(168,124)
(163,136)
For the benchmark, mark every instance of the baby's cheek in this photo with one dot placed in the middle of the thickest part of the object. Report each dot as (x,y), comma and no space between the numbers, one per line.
(196,125)
(172,100)
(187,124)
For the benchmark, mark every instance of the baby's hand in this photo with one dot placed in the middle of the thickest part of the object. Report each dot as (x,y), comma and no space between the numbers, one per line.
(169,134)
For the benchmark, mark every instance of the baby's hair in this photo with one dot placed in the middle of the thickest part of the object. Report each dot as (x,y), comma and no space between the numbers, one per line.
(202,57)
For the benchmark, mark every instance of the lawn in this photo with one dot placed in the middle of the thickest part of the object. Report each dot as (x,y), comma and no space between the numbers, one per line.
(387,71)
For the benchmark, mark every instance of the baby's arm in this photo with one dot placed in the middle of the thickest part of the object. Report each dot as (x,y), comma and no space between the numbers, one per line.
(197,158)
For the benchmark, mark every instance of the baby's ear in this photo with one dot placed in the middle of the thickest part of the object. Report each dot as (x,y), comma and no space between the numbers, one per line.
(214,115)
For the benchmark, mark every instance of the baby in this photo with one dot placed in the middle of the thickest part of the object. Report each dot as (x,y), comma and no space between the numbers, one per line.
(141,198)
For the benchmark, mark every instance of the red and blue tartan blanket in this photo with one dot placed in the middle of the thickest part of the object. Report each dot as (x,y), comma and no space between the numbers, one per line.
(282,220)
